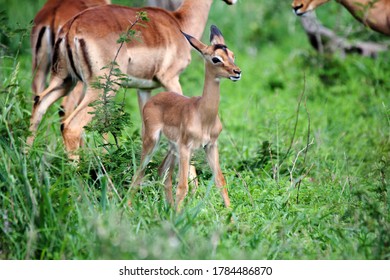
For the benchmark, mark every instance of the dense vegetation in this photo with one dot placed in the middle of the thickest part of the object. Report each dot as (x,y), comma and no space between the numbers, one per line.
(305,150)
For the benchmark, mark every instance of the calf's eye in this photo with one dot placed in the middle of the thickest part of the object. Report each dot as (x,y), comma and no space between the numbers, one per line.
(216,60)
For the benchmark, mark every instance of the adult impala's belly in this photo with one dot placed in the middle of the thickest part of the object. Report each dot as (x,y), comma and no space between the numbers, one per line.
(134,82)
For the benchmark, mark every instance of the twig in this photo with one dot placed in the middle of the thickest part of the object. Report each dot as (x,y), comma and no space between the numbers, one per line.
(296,120)
(300,180)
(308,129)
(295,162)
(275,167)
(307,148)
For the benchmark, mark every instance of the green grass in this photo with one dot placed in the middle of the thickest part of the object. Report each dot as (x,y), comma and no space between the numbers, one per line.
(329,202)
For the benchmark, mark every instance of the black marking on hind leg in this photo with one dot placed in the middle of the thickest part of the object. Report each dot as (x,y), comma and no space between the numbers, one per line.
(36,100)
(39,43)
(52,35)
(52,24)
(56,55)
(61,111)
(85,56)
(62,127)
(70,56)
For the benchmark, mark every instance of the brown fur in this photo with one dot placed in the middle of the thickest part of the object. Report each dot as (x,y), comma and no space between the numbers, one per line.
(46,25)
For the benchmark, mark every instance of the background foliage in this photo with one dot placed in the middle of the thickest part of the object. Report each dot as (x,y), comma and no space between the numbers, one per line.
(305,150)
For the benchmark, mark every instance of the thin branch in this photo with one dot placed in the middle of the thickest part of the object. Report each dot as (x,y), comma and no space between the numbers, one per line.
(296,120)
(246,187)
(307,148)
(300,180)
(295,161)
(308,129)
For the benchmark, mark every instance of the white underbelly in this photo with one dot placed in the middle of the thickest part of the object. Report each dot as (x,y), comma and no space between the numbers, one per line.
(134,82)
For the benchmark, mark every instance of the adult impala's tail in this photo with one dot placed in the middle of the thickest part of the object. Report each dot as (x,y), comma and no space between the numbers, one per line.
(42,42)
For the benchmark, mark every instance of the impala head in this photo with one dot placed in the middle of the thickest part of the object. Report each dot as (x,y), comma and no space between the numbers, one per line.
(300,7)
(230,2)
(217,55)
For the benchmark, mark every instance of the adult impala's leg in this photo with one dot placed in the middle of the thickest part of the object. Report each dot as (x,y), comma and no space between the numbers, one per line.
(73,127)
(150,137)
(172,84)
(166,169)
(143,97)
(72,100)
(58,88)
(184,162)
(40,72)
(213,160)
(193,177)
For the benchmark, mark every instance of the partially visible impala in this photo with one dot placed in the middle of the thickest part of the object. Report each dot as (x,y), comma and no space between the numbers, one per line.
(166,4)
(372,13)
(190,123)
(46,26)
(88,43)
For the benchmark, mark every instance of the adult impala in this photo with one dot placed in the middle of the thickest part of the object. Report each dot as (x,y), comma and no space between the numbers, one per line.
(88,44)
(373,13)
(190,123)
(46,25)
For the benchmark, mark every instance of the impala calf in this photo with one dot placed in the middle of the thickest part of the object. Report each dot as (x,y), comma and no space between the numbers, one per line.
(189,123)
(372,13)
